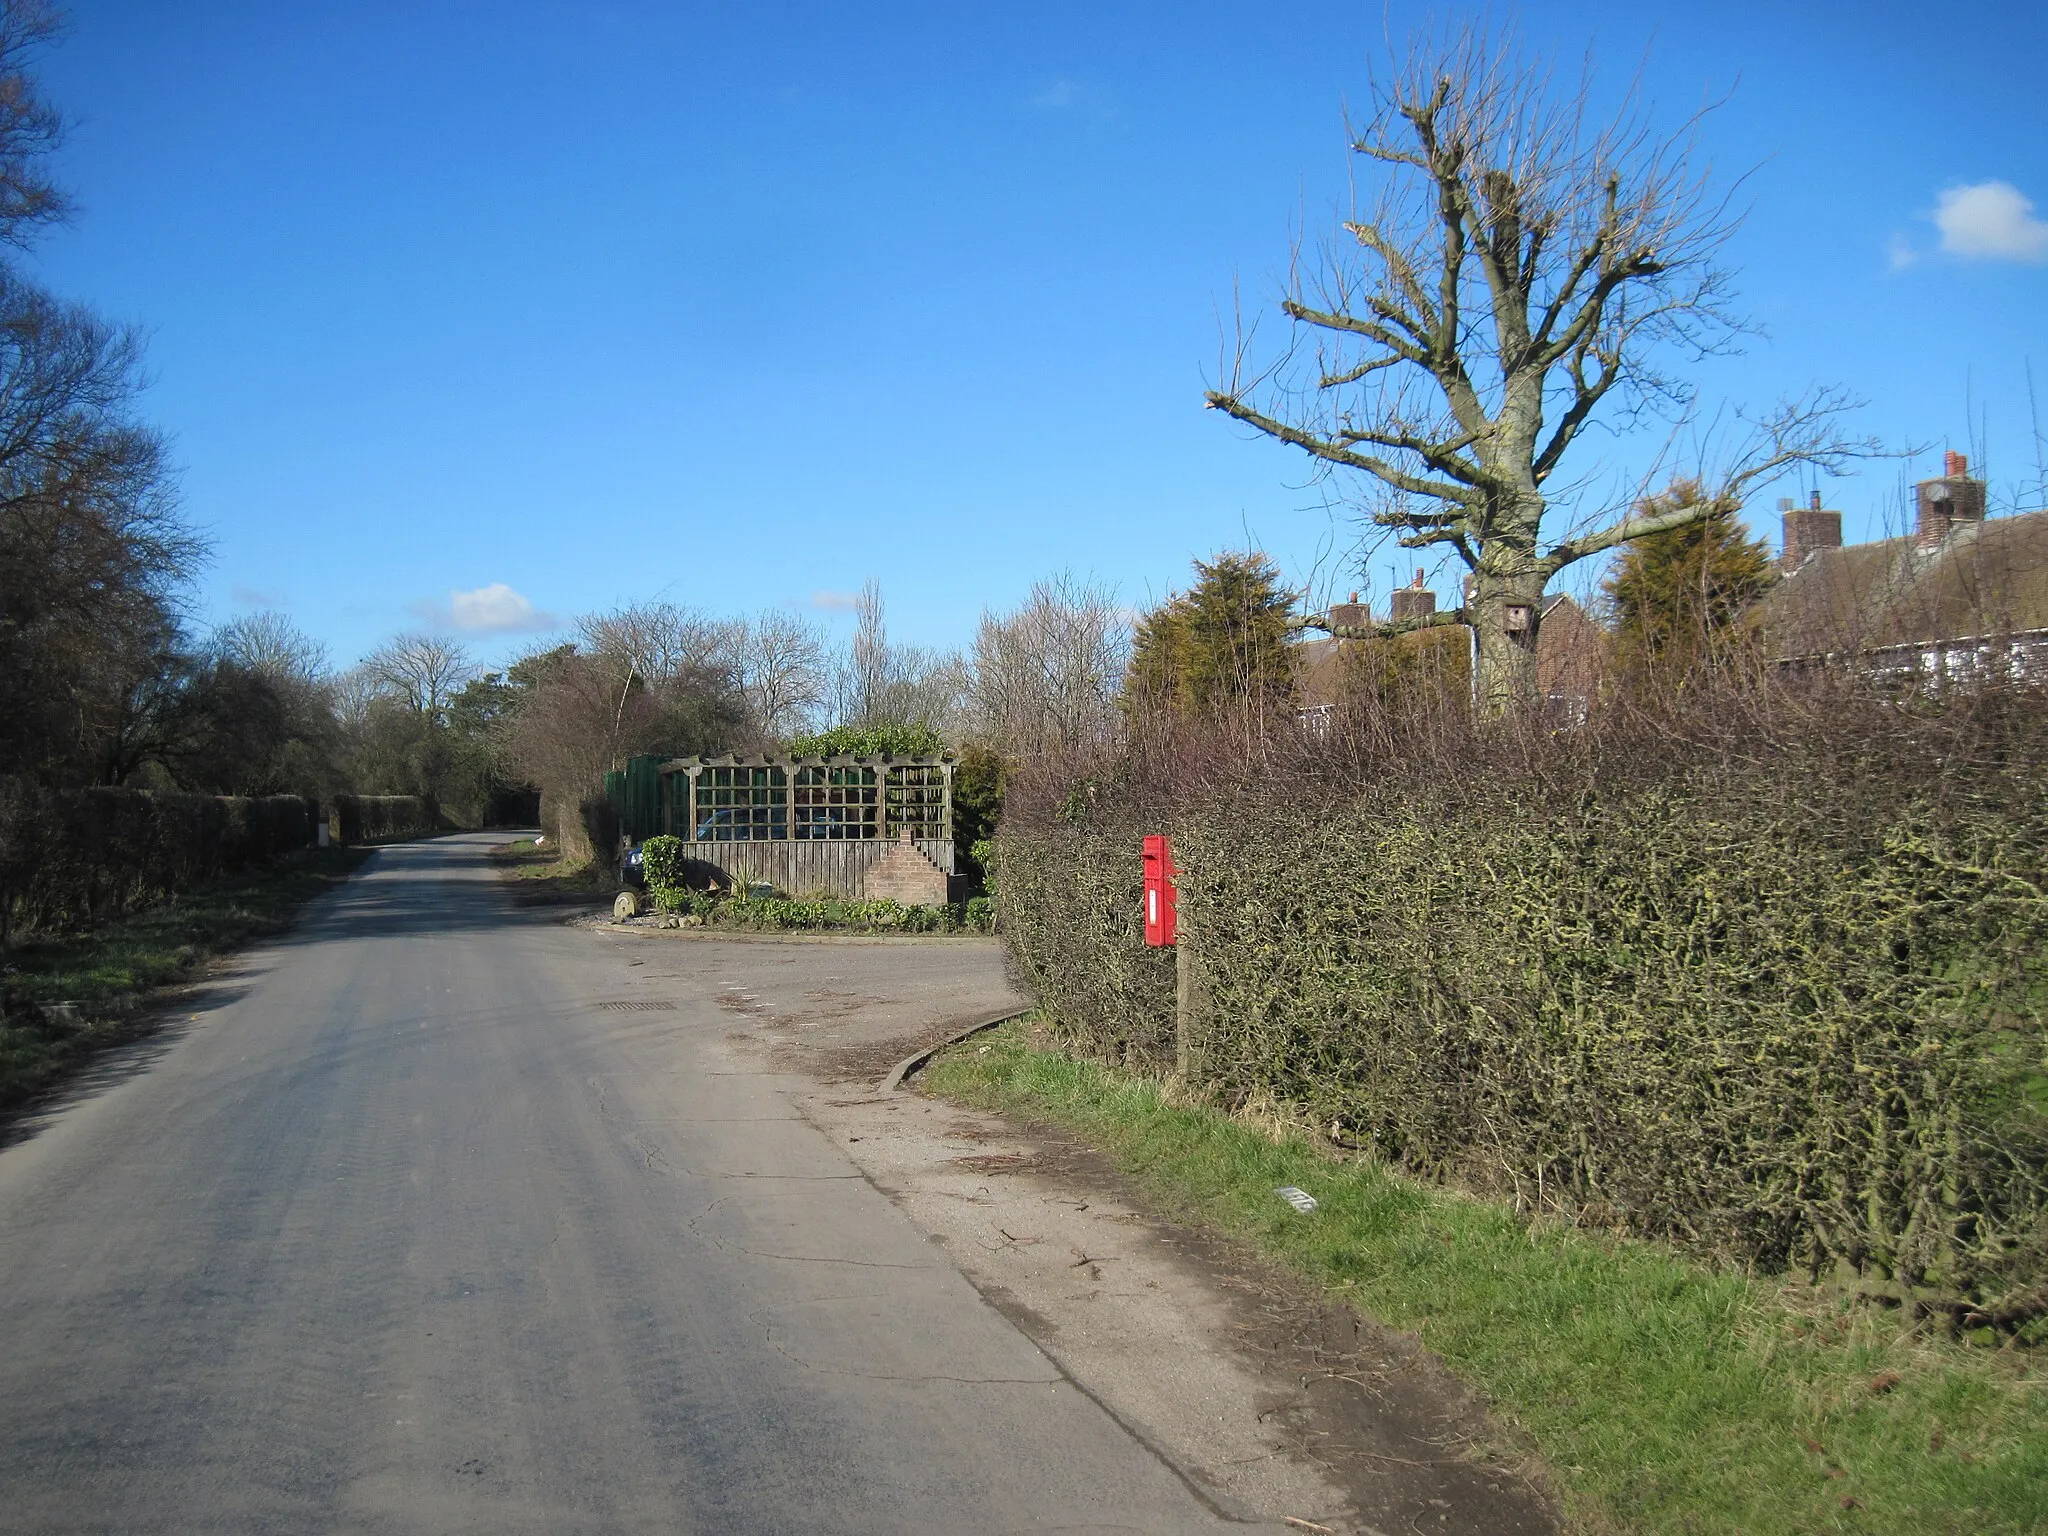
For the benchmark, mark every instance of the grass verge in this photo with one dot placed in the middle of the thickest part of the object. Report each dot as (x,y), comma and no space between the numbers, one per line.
(1664,1395)
(539,876)
(145,949)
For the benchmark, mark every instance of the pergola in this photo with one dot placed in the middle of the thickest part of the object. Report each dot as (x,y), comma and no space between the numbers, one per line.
(737,799)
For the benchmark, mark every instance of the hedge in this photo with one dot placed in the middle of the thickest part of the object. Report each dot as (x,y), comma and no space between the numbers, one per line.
(69,858)
(1785,1009)
(368,818)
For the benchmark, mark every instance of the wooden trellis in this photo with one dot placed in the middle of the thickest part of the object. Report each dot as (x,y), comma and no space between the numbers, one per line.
(828,799)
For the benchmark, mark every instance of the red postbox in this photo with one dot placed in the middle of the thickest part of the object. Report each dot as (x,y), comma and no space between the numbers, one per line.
(1161,900)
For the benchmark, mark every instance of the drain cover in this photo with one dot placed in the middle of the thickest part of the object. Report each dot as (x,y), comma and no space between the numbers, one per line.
(637,1006)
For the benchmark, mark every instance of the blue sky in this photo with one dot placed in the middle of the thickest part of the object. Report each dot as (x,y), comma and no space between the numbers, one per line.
(741,305)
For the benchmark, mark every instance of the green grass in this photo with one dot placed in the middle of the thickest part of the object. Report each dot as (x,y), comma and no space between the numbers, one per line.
(1665,1396)
(541,876)
(145,949)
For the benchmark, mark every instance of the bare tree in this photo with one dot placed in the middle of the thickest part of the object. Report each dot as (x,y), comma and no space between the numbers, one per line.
(883,683)
(30,127)
(865,677)
(269,643)
(586,715)
(1045,677)
(782,670)
(663,641)
(1520,265)
(92,551)
(353,694)
(424,671)
(589,711)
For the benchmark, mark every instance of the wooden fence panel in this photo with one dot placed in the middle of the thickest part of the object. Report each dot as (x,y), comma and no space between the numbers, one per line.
(803,868)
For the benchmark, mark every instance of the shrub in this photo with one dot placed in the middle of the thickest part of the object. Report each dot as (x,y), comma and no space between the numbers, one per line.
(977,808)
(868,741)
(662,860)
(783,912)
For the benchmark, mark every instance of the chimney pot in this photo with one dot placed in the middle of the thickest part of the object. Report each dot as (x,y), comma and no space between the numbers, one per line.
(1816,501)
(1955,465)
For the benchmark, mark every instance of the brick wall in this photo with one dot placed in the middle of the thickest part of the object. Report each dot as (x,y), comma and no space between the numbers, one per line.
(904,874)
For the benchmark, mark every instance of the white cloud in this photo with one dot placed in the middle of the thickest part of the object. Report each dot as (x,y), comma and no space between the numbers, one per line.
(836,602)
(494,609)
(1899,253)
(1993,220)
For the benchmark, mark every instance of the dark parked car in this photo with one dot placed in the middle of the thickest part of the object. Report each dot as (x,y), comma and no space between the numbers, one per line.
(737,824)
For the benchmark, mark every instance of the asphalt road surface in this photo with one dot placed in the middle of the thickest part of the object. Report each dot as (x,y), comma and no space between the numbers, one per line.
(400,1229)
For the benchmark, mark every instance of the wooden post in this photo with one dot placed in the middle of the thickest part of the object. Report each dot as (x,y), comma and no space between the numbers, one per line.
(1190,1004)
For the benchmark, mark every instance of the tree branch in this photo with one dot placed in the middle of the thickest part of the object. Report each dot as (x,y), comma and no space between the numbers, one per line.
(1625,530)
(1402,270)
(1381,631)
(1353,375)
(1408,350)
(1400,480)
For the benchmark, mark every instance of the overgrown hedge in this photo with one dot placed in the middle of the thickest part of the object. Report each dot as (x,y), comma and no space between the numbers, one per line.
(69,858)
(369,818)
(1785,1008)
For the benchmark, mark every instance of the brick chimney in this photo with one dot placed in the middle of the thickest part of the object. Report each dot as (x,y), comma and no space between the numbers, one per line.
(1954,498)
(1414,601)
(1351,615)
(1806,530)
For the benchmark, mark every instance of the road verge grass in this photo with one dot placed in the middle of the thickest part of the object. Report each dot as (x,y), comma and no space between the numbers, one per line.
(540,877)
(126,957)
(1665,1396)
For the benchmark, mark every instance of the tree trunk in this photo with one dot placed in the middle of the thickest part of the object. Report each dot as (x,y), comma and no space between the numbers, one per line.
(1507,609)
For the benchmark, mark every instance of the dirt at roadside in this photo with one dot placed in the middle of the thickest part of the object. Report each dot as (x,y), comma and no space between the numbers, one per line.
(1267,1396)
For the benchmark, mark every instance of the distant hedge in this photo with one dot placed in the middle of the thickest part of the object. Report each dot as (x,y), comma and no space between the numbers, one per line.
(367,818)
(69,858)
(1784,1006)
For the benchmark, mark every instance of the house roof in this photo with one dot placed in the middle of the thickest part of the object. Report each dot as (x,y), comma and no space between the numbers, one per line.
(1984,579)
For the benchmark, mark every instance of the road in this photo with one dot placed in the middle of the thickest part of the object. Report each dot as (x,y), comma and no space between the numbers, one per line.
(399,1229)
